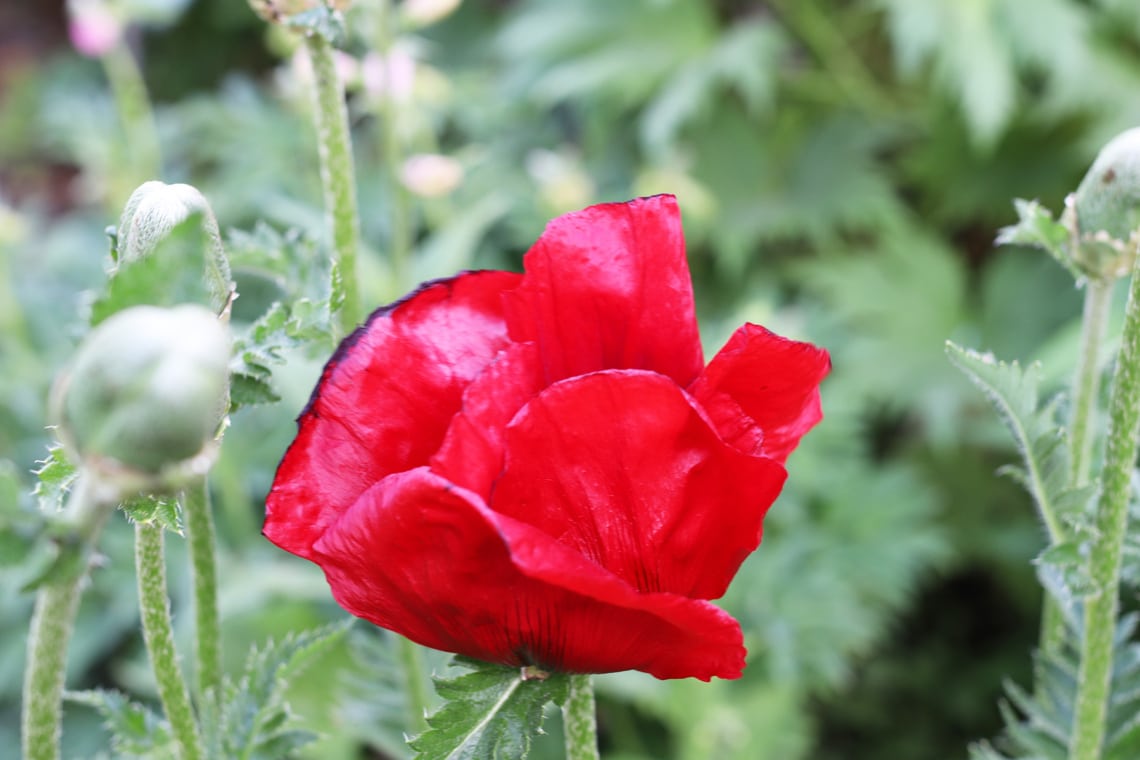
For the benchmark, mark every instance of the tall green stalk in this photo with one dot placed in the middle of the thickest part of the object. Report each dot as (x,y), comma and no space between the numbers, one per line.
(159,636)
(200,535)
(392,155)
(579,719)
(52,623)
(144,157)
(1095,673)
(337,177)
(1086,387)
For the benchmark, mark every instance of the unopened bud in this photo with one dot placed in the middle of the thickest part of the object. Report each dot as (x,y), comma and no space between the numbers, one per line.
(146,391)
(426,12)
(153,211)
(1107,208)
(93,27)
(430,175)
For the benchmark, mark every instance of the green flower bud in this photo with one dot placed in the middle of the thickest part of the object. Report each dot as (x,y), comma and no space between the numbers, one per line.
(153,211)
(146,391)
(1106,206)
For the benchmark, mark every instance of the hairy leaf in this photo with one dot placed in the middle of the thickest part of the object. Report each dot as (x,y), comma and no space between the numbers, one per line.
(490,713)
(1036,227)
(136,730)
(1013,391)
(250,719)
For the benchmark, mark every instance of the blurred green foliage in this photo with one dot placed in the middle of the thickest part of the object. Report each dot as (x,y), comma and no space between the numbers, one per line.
(843,167)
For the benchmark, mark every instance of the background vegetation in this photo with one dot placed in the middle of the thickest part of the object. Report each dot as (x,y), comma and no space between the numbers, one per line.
(843,167)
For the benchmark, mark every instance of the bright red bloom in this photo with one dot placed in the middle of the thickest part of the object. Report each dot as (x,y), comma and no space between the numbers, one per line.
(539,469)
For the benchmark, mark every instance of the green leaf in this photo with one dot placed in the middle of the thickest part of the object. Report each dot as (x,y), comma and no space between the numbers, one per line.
(490,713)
(1036,227)
(172,272)
(54,477)
(250,718)
(136,730)
(283,327)
(161,510)
(374,703)
(322,20)
(1013,392)
(1038,725)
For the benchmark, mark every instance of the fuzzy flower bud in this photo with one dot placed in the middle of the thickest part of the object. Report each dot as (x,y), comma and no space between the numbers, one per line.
(430,175)
(93,28)
(426,12)
(154,210)
(146,391)
(1106,206)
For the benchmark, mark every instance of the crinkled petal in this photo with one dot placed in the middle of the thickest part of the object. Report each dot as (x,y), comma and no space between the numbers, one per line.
(762,390)
(427,559)
(471,455)
(620,467)
(609,288)
(385,400)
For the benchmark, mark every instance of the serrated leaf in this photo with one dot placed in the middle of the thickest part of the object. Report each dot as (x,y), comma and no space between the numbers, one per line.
(1038,725)
(136,730)
(160,510)
(250,718)
(374,701)
(1036,227)
(322,20)
(1013,392)
(1068,564)
(283,327)
(53,479)
(490,713)
(173,272)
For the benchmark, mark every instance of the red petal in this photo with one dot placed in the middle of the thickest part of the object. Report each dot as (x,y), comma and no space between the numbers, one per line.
(609,288)
(762,390)
(620,467)
(428,560)
(384,401)
(471,455)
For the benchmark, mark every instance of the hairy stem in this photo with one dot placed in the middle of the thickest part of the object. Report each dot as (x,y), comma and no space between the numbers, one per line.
(159,636)
(1101,611)
(137,117)
(1086,387)
(200,536)
(415,685)
(52,623)
(392,155)
(338,179)
(579,719)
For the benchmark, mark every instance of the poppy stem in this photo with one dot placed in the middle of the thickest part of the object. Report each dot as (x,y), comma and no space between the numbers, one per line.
(1086,388)
(200,535)
(337,178)
(158,633)
(1101,610)
(52,623)
(140,138)
(416,685)
(579,719)
(392,153)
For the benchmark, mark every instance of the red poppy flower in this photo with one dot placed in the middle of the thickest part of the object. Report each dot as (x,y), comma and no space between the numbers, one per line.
(539,468)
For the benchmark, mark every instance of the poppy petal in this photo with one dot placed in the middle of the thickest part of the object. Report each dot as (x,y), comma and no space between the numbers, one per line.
(623,469)
(385,400)
(761,380)
(609,288)
(429,560)
(471,454)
